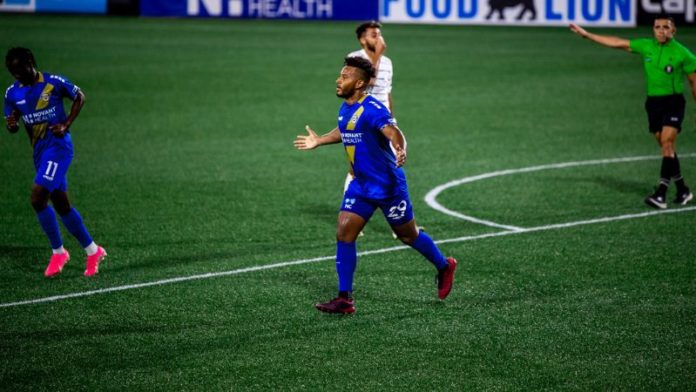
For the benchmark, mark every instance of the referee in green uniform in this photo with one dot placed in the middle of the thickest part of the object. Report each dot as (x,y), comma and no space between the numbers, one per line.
(666,61)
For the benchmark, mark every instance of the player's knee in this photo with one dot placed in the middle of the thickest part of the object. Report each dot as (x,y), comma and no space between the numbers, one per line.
(667,148)
(38,202)
(62,209)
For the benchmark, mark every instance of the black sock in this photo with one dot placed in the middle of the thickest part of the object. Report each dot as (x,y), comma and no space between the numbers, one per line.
(677,177)
(345,294)
(666,171)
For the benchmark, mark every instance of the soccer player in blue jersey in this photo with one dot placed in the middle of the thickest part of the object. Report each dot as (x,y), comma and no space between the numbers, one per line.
(37,98)
(366,129)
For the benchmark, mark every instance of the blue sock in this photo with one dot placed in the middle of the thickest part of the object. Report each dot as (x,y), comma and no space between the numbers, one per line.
(49,224)
(346,260)
(425,245)
(73,222)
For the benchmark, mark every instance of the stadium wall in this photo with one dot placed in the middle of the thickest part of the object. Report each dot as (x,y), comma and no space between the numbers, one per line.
(610,13)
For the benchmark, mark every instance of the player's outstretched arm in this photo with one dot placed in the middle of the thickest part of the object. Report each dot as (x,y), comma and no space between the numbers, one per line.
(605,40)
(312,140)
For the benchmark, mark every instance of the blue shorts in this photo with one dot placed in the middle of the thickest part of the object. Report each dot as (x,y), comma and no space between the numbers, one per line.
(397,209)
(52,168)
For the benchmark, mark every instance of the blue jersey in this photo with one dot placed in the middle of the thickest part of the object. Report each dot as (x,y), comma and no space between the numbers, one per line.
(368,150)
(40,106)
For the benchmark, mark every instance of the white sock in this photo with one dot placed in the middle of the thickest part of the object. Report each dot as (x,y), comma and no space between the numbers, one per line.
(91,249)
(59,251)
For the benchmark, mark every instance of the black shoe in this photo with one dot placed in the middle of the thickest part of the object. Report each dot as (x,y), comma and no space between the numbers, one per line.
(684,197)
(656,201)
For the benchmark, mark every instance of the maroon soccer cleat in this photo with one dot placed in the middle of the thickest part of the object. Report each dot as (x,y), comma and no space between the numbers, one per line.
(338,305)
(445,278)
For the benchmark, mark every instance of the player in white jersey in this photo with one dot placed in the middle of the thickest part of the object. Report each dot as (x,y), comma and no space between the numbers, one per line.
(373,48)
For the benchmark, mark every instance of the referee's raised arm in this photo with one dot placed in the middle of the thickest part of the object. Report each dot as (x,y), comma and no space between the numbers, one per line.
(605,40)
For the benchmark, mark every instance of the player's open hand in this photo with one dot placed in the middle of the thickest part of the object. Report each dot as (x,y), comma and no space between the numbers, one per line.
(578,30)
(12,122)
(307,142)
(58,129)
(400,156)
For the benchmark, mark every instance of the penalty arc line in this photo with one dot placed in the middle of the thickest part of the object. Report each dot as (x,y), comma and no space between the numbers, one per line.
(431,197)
(324,258)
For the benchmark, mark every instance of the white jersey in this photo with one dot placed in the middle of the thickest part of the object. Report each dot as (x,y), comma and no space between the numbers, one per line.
(383,82)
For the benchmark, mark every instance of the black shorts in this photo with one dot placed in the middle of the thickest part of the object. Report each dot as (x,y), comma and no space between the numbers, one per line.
(665,110)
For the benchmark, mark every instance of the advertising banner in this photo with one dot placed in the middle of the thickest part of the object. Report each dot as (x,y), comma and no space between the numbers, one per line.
(609,13)
(264,9)
(18,5)
(682,11)
(68,6)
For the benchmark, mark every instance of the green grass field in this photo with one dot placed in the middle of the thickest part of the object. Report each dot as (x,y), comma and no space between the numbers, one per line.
(185,166)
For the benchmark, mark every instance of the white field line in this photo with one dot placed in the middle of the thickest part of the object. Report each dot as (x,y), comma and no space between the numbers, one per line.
(511,230)
(431,197)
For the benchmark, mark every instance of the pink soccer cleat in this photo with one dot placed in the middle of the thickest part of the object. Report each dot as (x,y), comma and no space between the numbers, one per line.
(56,264)
(93,262)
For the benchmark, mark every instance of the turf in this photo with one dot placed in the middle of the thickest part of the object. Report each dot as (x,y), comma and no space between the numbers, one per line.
(185,166)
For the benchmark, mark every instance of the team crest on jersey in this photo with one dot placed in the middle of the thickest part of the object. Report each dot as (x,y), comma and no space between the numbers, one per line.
(354,119)
(669,69)
(45,96)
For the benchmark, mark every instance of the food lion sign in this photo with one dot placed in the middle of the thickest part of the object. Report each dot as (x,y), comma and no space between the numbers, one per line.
(609,13)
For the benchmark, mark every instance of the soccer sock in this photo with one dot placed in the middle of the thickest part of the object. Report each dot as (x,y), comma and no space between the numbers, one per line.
(346,260)
(677,177)
(666,171)
(73,222)
(425,245)
(91,249)
(49,224)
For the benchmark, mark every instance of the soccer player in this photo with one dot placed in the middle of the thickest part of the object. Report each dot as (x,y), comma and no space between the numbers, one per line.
(373,47)
(37,98)
(367,129)
(665,61)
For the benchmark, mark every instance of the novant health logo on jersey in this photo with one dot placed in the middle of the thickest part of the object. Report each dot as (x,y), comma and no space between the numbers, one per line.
(511,12)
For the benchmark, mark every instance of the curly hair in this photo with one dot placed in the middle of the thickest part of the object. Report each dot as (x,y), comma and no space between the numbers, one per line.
(367,71)
(19,55)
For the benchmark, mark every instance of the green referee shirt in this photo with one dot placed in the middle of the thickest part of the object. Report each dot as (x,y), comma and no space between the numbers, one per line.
(665,65)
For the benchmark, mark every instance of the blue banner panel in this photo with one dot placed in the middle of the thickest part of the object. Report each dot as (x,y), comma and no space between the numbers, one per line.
(264,9)
(77,6)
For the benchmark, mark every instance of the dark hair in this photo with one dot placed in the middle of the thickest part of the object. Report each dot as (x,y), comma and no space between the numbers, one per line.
(21,55)
(367,25)
(364,65)
(664,16)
